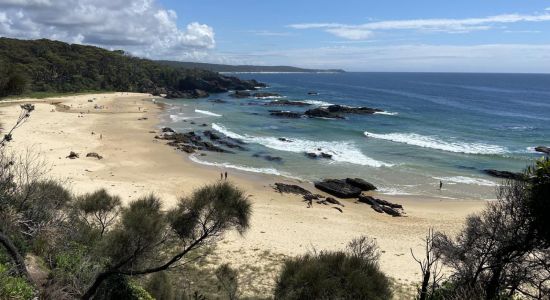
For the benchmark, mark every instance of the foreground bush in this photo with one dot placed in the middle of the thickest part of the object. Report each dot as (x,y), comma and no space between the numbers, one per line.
(12,287)
(333,275)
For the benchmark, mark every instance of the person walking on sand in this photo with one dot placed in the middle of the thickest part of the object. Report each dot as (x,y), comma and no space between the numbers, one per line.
(100,136)
(440,185)
(226,175)
(221,176)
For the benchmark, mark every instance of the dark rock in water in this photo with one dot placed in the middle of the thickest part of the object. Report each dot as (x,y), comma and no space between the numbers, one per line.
(265,95)
(232,145)
(218,101)
(167,129)
(211,135)
(543,149)
(240,94)
(351,110)
(286,103)
(285,114)
(338,188)
(192,123)
(311,155)
(325,155)
(93,154)
(204,125)
(291,189)
(312,93)
(504,174)
(322,112)
(284,140)
(273,158)
(360,183)
(72,155)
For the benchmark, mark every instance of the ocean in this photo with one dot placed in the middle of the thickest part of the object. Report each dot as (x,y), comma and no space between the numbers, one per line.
(435,127)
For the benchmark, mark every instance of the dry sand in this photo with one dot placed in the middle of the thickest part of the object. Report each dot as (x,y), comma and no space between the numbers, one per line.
(136,164)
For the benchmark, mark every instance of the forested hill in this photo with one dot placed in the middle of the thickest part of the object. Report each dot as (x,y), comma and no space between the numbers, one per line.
(246,68)
(53,66)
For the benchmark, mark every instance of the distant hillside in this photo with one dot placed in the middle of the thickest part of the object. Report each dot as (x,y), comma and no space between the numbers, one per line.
(245,68)
(53,66)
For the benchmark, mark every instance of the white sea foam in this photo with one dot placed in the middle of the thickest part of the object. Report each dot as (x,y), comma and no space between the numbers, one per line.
(392,191)
(178,118)
(340,151)
(271,97)
(387,113)
(208,113)
(436,143)
(467,180)
(317,102)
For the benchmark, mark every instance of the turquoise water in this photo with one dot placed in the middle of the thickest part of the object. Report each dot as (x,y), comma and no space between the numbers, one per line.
(435,127)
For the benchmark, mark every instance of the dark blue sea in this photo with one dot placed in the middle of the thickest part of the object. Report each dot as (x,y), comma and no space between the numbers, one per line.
(435,126)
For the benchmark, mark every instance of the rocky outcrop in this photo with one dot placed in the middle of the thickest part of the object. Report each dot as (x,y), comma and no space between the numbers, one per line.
(286,103)
(268,157)
(188,94)
(291,189)
(360,183)
(240,94)
(504,174)
(382,206)
(339,188)
(543,149)
(218,101)
(322,112)
(312,93)
(336,111)
(189,142)
(351,110)
(285,114)
(167,129)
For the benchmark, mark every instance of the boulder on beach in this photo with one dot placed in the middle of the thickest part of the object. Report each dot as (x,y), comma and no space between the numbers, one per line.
(360,183)
(339,188)
(167,129)
(504,174)
(291,189)
(93,154)
(543,149)
(72,155)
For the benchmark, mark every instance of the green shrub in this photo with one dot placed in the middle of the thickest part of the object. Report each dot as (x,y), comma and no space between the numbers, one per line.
(14,288)
(120,288)
(332,275)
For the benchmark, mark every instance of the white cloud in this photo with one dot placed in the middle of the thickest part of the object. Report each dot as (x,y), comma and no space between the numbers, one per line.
(363,31)
(141,27)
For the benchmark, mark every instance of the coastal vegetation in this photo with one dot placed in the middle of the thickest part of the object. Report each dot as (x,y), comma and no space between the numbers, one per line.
(46,66)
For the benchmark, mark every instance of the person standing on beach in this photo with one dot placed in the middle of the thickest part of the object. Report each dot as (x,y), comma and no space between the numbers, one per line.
(440,185)
(221,176)
(226,175)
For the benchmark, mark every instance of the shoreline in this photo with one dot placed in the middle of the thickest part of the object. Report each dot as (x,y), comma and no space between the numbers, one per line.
(136,164)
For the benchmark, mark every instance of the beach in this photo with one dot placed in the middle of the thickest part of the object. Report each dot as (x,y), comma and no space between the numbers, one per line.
(121,127)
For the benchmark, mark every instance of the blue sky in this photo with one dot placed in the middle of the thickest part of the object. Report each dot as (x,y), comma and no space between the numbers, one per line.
(404,35)
(258,32)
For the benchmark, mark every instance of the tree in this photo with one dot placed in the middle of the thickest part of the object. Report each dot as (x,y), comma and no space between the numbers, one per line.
(429,266)
(499,252)
(146,240)
(351,274)
(539,197)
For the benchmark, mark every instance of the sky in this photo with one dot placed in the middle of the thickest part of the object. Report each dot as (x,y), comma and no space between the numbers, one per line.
(390,35)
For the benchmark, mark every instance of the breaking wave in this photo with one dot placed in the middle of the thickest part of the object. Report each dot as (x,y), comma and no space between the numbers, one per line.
(436,143)
(340,151)
(208,113)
